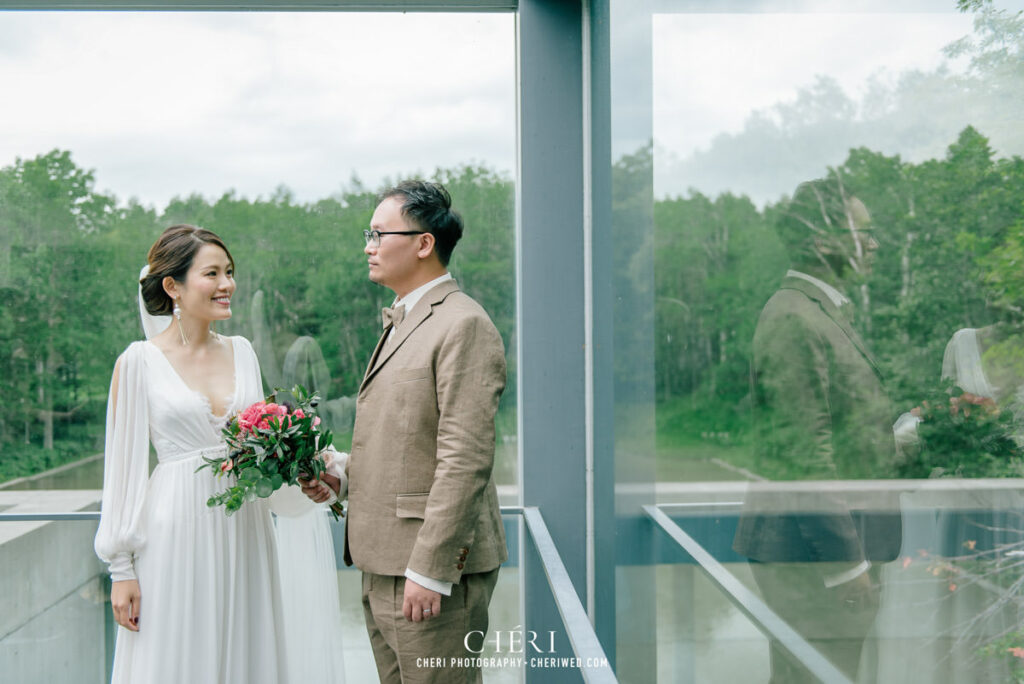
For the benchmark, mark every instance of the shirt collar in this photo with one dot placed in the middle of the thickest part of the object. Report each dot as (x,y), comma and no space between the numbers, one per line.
(837,297)
(410,300)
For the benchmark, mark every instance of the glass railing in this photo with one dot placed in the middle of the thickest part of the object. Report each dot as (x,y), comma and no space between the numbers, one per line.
(945,604)
(54,597)
(55,618)
(946,607)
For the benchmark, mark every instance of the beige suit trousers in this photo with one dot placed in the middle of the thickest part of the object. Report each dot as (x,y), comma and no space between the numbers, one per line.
(432,651)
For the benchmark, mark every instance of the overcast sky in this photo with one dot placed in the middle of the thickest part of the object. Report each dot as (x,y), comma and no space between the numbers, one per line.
(732,64)
(165,104)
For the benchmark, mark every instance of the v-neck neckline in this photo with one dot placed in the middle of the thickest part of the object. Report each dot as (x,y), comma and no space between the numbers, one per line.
(232,396)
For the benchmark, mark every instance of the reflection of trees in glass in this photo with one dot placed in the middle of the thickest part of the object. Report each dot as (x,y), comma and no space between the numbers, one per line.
(949,230)
(68,257)
(913,113)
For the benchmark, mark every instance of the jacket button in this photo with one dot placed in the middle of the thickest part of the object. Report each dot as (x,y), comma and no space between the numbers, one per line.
(462,558)
(463,550)
(459,566)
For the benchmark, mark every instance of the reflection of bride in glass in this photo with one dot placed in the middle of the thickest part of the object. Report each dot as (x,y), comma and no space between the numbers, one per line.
(201,596)
(958,587)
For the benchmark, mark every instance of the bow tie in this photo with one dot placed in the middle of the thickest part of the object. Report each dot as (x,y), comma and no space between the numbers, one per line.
(392,316)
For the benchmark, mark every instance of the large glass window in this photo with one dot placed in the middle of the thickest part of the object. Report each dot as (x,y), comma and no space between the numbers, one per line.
(819,233)
(274,130)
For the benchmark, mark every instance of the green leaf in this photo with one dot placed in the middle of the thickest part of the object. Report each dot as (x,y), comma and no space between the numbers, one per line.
(264,487)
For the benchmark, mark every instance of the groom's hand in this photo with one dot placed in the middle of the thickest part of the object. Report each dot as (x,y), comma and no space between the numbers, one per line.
(317,490)
(420,603)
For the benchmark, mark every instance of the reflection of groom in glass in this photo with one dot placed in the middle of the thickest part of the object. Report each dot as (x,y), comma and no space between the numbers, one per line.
(821,414)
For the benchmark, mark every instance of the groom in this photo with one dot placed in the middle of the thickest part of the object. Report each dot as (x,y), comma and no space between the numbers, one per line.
(423,519)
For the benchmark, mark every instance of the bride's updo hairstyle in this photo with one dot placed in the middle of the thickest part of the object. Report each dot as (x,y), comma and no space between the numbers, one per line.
(172,255)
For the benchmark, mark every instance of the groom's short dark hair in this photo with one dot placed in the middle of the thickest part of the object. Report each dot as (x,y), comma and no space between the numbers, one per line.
(429,206)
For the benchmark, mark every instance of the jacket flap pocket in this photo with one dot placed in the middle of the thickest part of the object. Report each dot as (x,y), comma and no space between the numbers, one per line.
(409,374)
(411,505)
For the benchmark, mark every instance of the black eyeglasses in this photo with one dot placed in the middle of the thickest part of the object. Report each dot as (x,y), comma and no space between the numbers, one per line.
(374,235)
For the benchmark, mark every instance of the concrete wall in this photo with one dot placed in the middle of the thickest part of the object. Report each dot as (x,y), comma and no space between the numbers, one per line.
(52,592)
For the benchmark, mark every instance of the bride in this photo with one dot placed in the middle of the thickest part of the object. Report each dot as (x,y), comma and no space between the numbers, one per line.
(199,596)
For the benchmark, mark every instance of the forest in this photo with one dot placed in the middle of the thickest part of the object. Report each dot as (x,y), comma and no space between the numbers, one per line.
(951,251)
(949,226)
(69,263)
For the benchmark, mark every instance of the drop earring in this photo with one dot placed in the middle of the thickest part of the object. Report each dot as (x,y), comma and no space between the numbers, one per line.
(177,317)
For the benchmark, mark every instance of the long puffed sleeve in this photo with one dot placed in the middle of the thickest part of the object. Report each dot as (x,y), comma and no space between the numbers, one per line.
(125,466)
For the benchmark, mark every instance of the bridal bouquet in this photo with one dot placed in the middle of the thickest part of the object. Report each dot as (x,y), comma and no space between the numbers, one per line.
(270,445)
(965,435)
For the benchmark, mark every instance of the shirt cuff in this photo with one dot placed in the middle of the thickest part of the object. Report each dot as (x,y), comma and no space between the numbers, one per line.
(440,586)
(847,575)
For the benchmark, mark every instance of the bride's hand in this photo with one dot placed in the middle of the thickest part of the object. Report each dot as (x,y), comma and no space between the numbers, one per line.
(126,601)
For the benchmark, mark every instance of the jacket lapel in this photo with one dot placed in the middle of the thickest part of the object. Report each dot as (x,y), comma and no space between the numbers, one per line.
(376,354)
(412,320)
(833,312)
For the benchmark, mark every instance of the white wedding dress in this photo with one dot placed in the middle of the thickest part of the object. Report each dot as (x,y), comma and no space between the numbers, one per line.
(213,608)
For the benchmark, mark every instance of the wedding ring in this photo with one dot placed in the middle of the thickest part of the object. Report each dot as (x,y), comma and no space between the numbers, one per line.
(426,611)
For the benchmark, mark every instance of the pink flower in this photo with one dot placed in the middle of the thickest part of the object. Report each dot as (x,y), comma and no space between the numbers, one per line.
(1016,651)
(257,416)
(300,414)
(251,416)
(269,411)
(227,465)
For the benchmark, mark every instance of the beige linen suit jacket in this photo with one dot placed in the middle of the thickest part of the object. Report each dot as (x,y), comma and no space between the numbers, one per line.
(820,409)
(421,495)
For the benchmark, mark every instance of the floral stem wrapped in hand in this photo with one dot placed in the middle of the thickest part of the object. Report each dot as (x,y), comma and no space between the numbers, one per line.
(270,445)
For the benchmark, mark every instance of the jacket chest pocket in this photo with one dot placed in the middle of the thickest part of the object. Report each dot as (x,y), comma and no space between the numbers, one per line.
(405,375)
(414,397)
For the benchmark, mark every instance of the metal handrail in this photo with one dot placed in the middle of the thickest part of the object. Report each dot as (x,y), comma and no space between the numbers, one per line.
(22,517)
(584,641)
(763,617)
(95,515)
